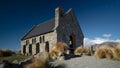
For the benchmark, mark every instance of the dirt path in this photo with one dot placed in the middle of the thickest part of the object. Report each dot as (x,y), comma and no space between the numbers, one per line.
(90,62)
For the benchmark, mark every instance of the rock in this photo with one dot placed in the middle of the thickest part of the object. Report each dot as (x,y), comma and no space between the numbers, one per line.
(14,66)
(2,65)
(15,62)
(5,64)
(61,58)
(25,62)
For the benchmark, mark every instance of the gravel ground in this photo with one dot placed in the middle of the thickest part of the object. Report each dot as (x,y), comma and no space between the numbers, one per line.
(90,62)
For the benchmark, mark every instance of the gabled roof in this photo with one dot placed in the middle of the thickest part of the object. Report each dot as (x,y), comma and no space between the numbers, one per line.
(42,28)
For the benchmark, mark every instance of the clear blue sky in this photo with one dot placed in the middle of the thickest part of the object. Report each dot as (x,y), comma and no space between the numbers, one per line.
(96,17)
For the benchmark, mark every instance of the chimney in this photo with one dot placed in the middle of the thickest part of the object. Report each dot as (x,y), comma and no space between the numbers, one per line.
(59,12)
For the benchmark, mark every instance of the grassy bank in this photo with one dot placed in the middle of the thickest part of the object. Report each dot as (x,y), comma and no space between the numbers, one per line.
(14,57)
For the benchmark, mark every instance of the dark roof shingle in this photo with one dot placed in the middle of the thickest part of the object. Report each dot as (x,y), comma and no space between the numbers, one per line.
(42,28)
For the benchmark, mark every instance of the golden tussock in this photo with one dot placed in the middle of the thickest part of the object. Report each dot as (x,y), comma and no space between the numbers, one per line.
(79,50)
(117,52)
(104,52)
(42,61)
(39,62)
(5,53)
(87,50)
(58,48)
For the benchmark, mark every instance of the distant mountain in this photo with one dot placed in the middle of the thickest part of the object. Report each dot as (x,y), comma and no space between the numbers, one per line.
(111,44)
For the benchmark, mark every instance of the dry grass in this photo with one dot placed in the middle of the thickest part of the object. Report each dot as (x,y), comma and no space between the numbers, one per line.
(14,57)
(104,52)
(108,52)
(87,51)
(117,52)
(79,51)
(4,53)
(40,62)
(58,49)
(1,53)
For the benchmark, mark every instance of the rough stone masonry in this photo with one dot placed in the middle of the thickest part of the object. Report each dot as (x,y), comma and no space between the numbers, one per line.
(63,28)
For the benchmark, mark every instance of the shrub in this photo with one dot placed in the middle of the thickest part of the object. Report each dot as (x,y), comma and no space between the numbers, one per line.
(117,52)
(41,61)
(104,52)
(87,51)
(58,49)
(1,53)
(6,52)
(79,51)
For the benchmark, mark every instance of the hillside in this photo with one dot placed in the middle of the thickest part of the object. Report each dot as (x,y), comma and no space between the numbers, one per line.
(111,44)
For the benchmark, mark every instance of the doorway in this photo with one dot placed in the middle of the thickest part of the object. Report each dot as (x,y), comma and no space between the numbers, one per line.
(72,43)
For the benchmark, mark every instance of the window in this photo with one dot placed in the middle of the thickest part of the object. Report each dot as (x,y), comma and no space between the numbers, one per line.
(30,49)
(27,42)
(37,48)
(33,40)
(40,40)
(47,46)
(43,38)
(24,49)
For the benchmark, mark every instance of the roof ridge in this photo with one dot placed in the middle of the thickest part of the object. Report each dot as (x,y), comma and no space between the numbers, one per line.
(69,10)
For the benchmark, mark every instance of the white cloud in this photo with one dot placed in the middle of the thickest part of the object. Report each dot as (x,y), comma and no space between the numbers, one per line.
(118,40)
(88,42)
(98,40)
(107,35)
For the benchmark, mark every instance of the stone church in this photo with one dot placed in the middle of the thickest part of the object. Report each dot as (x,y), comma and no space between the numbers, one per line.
(63,28)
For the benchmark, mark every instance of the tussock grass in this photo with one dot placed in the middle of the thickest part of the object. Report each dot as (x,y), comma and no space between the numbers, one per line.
(117,52)
(86,50)
(108,52)
(14,57)
(42,61)
(57,49)
(79,51)
(104,52)
(4,53)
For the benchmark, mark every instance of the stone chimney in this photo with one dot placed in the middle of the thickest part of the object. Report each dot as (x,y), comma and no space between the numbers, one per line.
(59,12)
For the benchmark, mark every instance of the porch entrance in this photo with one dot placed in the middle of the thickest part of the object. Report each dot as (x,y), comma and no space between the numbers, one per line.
(72,43)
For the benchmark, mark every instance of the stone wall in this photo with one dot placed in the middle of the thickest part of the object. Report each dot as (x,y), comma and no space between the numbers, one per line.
(69,25)
(51,38)
(66,24)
